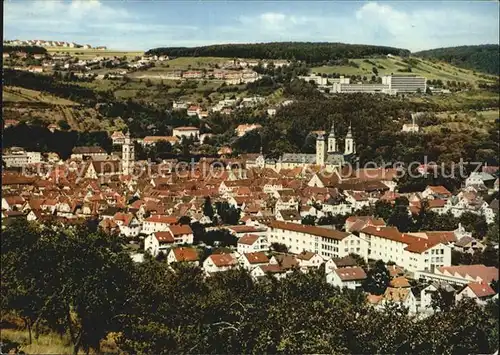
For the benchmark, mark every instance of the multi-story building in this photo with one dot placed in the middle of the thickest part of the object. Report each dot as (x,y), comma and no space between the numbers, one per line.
(405,83)
(407,250)
(325,242)
(18,158)
(361,87)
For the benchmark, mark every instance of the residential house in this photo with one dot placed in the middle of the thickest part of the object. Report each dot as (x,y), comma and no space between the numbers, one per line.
(128,224)
(242,129)
(436,192)
(308,260)
(220,262)
(288,215)
(251,260)
(273,270)
(158,242)
(184,255)
(468,244)
(182,233)
(152,140)
(349,277)
(480,291)
(480,179)
(427,294)
(252,243)
(157,223)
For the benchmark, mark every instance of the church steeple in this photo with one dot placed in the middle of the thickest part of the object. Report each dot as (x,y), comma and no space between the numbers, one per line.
(332,141)
(128,155)
(349,142)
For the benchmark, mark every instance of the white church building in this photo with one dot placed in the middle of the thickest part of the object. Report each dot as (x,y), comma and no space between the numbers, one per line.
(327,154)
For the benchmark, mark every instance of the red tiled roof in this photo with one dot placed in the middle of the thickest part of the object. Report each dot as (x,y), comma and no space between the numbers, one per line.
(164,237)
(272,268)
(400,281)
(486,273)
(313,230)
(223,259)
(155,139)
(162,219)
(256,258)
(248,239)
(185,254)
(481,289)
(180,229)
(351,273)
(186,128)
(245,229)
(390,233)
(440,190)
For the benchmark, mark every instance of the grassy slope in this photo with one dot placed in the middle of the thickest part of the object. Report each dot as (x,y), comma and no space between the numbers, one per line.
(465,121)
(438,70)
(18,94)
(50,343)
(78,117)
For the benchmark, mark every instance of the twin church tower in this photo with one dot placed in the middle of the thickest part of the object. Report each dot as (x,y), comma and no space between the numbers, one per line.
(323,151)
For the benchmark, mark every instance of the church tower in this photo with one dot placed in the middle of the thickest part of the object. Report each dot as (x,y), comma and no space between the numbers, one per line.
(128,155)
(320,150)
(349,143)
(332,141)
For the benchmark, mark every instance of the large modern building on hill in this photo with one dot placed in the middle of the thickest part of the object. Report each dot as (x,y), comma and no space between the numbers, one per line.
(405,83)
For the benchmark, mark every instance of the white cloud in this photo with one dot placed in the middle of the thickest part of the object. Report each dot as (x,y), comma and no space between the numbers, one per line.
(88,21)
(425,28)
(100,22)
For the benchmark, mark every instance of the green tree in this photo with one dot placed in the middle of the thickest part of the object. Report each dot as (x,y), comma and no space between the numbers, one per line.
(309,220)
(208,209)
(377,279)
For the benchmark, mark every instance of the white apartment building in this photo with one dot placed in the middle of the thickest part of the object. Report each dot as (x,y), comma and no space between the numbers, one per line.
(406,250)
(18,157)
(327,243)
(405,83)
(360,87)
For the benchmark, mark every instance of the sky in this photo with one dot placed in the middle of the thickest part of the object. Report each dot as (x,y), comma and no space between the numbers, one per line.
(141,25)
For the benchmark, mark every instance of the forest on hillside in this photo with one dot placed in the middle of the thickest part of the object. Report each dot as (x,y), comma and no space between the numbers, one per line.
(310,52)
(484,58)
(25,49)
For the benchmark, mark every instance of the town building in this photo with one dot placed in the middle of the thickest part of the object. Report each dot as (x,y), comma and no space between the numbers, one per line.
(186,132)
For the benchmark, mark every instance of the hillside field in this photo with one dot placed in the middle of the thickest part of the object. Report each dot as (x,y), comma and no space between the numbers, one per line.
(386,66)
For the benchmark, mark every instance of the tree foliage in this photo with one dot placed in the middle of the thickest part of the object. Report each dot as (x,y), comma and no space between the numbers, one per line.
(310,52)
(377,279)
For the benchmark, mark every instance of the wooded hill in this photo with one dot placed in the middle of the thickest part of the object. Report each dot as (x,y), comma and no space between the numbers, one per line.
(484,58)
(311,52)
(25,49)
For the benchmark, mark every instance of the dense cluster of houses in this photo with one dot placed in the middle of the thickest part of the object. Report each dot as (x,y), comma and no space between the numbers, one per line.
(273,204)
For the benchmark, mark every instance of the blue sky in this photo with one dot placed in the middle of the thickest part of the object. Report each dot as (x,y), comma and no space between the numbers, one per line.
(134,25)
